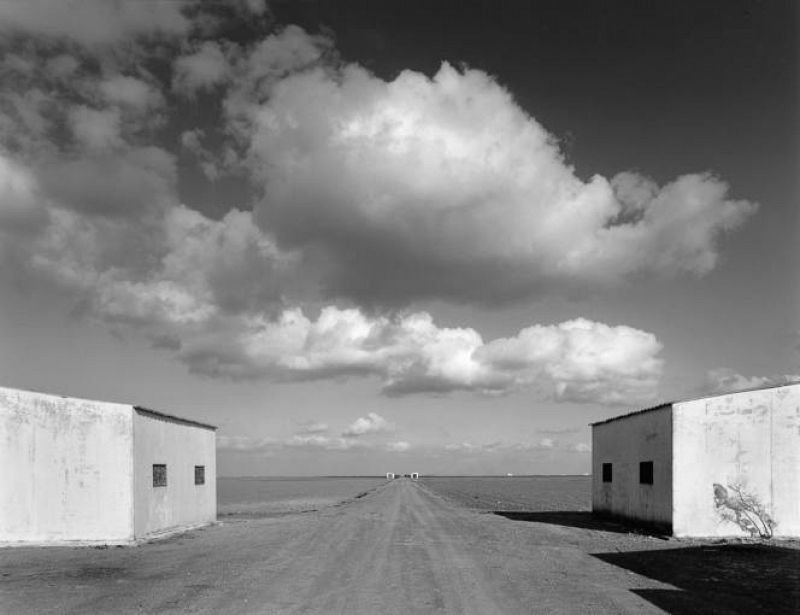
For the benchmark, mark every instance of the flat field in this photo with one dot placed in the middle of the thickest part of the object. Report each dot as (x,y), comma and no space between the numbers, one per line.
(259,496)
(516,493)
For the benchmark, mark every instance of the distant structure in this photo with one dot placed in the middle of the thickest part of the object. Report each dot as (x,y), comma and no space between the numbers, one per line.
(727,465)
(415,476)
(74,471)
(390,476)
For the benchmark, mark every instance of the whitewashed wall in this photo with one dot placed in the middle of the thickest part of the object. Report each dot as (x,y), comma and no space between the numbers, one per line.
(624,443)
(180,446)
(66,469)
(748,439)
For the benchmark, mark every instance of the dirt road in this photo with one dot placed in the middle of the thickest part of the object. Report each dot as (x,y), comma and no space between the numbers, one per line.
(399,549)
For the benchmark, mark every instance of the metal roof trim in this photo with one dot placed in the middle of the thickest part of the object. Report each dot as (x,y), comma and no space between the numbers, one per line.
(172,417)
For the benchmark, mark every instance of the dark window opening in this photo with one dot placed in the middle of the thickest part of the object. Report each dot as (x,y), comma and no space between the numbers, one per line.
(199,475)
(607,473)
(646,472)
(159,475)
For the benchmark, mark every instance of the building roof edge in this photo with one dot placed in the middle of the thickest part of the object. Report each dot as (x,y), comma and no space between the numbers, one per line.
(681,401)
(172,417)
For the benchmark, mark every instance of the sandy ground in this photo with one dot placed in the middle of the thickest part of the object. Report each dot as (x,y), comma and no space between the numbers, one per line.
(404,549)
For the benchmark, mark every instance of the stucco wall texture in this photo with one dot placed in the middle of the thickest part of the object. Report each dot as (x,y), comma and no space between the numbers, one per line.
(181,502)
(732,464)
(748,440)
(80,471)
(623,444)
(66,469)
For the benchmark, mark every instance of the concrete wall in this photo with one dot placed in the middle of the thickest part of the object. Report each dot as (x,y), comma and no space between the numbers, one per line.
(749,440)
(624,443)
(66,469)
(181,446)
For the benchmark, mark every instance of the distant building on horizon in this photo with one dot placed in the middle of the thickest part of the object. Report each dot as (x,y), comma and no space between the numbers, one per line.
(723,465)
(75,471)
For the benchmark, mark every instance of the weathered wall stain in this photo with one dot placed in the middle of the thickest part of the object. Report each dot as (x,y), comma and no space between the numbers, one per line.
(68,470)
(746,445)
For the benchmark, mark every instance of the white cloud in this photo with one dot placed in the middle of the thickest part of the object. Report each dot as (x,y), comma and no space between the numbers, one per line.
(93,21)
(578,361)
(130,92)
(62,66)
(200,299)
(586,361)
(400,446)
(378,191)
(726,380)
(310,441)
(192,141)
(256,72)
(506,446)
(246,444)
(96,129)
(257,7)
(203,69)
(21,205)
(129,183)
(582,447)
(327,443)
(444,187)
(314,427)
(372,423)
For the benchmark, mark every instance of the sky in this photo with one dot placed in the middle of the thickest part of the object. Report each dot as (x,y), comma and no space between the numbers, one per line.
(362,237)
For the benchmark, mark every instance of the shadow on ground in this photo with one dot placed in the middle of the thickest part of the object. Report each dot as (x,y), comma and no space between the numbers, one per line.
(718,579)
(575,518)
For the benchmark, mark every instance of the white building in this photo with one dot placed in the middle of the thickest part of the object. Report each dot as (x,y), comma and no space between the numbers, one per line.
(727,465)
(90,472)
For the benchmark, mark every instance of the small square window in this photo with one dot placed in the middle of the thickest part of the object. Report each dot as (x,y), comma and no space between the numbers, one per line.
(646,472)
(159,475)
(199,475)
(607,473)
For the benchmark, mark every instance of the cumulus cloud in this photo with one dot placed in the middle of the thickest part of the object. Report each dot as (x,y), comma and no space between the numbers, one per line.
(95,129)
(202,69)
(130,92)
(94,21)
(21,204)
(372,423)
(401,446)
(211,165)
(372,193)
(577,361)
(211,291)
(726,380)
(109,230)
(444,187)
(314,427)
(246,444)
(328,443)
(130,183)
